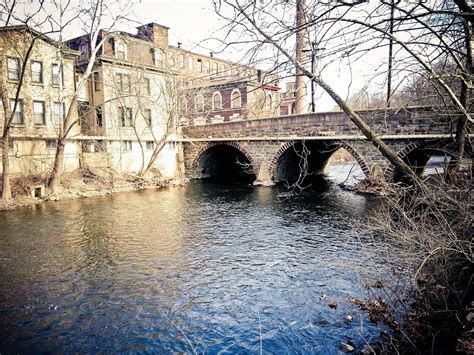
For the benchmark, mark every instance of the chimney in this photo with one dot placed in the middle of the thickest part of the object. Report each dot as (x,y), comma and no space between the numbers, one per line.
(154,33)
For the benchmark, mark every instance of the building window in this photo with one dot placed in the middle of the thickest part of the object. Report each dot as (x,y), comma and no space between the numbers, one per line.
(97,81)
(208,67)
(171,59)
(160,57)
(57,76)
(18,112)
(181,61)
(59,112)
(216,101)
(215,69)
(200,65)
(127,146)
(236,99)
(150,145)
(147,117)
(98,116)
(190,64)
(222,69)
(123,82)
(38,111)
(13,68)
(125,115)
(268,104)
(120,50)
(199,103)
(51,143)
(83,50)
(36,72)
(147,87)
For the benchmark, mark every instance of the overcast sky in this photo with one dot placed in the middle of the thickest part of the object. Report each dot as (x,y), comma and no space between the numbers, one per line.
(191,22)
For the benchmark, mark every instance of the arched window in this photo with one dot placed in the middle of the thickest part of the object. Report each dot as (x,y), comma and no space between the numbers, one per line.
(181,61)
(208,67)
(199,103)
(190,63)
(236,99)
(215,69)
(216,101)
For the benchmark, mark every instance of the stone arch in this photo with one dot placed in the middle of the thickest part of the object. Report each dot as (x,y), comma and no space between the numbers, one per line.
(355,154)
(235,145)
(439,144)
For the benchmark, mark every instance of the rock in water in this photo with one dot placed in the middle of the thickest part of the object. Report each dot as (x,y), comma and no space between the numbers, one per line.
(346,348)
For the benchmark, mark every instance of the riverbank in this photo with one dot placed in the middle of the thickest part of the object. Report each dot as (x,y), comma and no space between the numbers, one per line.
(79,184)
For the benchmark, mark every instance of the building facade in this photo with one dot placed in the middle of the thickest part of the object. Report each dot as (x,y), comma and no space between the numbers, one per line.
(129,112)
(45,94)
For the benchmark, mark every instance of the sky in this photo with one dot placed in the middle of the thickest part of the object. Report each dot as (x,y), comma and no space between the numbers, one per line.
(191,22)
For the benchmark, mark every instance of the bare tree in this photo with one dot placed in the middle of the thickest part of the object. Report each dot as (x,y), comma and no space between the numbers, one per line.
(94,16)
(18,36)
(351,34)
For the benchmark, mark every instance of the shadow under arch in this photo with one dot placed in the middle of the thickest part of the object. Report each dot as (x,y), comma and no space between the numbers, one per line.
(417,155)
(285,165)
(224,162)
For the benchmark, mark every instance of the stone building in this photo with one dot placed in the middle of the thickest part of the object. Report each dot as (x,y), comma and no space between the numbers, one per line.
(45,96)
(139,94)
(127,110)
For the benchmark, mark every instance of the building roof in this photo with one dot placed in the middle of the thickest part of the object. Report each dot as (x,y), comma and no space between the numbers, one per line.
(40,35)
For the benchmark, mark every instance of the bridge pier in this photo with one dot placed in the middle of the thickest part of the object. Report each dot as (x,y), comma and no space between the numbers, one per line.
(263,178)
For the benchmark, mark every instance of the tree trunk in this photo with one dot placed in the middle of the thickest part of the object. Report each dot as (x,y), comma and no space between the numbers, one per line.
(55,179)
(6,188)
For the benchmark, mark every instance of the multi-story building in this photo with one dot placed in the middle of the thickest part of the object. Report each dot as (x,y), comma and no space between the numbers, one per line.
(45,95)
(140,91)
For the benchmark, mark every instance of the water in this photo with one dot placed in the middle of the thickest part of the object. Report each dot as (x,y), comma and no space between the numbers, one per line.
(203,268)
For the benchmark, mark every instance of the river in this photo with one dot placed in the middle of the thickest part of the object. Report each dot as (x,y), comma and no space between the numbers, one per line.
(200,268)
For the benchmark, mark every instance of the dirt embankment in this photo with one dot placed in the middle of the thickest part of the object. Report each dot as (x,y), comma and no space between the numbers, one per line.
(80,184)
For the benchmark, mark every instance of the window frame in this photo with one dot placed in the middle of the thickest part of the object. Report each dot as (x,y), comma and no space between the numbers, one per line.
(199,64)
(148,117)
(41,75)
(150,145)
(18,111)
(35,114)
(127,146)
(123,113)
(233,99)
(120,54)
(59,75)
(17,70)
(218,95)
(201,108)
(191,63)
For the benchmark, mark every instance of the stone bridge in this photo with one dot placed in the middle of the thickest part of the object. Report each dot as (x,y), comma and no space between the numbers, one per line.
(270,150)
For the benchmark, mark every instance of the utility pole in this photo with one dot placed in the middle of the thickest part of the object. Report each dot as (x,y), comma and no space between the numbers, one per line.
(390,55)
(300,82)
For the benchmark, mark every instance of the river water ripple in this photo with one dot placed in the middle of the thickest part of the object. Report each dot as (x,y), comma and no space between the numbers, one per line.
(203,268)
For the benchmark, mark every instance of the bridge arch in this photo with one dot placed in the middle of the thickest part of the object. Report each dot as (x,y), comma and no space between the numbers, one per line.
(332,147)
(224,158)
(417,154)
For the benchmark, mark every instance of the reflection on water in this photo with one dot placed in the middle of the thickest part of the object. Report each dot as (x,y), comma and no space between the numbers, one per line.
(203,266)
